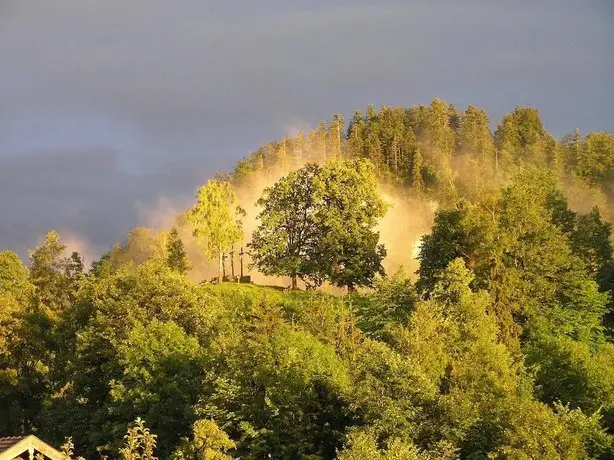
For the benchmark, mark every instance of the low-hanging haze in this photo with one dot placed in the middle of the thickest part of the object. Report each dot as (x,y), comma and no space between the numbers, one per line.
(110,107)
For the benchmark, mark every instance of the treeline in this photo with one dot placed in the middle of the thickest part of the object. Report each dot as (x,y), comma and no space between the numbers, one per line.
(438,151)
(441,370)
(500,347)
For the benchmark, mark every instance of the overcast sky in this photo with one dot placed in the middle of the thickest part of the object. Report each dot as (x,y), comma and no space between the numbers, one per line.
(110,107)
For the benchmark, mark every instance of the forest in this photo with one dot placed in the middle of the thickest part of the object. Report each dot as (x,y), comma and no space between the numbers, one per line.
(482,329)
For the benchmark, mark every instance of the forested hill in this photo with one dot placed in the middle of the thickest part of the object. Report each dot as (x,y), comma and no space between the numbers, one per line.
(425,158)
(499,346)
(439,151)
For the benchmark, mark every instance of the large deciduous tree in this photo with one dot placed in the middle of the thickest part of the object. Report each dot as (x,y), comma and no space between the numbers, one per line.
(53,275)
(287,231)
(318,224)
(14,277)
(21,385)
(216,220)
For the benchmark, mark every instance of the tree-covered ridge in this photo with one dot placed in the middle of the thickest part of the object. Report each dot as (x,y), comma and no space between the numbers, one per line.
(436,150)
(501,346)
(425,157)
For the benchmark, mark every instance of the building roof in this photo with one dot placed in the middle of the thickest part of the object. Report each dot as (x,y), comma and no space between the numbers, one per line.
(5,443)
(14,446)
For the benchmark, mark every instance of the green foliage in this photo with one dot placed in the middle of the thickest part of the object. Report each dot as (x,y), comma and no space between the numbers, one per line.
(140,443)
(389,305)
(176,257)
(474,135)
(15,295)
(349,253)
(590,240)
(14,277)
(532,430)
(30,303)
(523,252)
(54,276)
(208,443)
(100,376)
(24,365)
(569,371)
(486,399)
(276,387)
(162,371)
(141,245)
(259,371)
(216,220)
(521,138)
(498,350)
(317,224)
(392,395)
(596,159)
(287,233)
(362,445)
(67,449)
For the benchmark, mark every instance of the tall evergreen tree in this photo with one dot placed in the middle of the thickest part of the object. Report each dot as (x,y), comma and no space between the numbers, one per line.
(334,137)
(176,258)
(355,144)
(474,136)
(596,162)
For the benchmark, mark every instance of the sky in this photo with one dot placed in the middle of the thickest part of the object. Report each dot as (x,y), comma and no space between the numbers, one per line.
(113,112)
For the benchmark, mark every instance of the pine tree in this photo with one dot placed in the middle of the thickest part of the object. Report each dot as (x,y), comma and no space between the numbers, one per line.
(334,136)
(474,135)
(176,256)
(415,178)
(355,144)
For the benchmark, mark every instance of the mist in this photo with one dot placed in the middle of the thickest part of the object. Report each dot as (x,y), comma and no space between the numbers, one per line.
(106,107)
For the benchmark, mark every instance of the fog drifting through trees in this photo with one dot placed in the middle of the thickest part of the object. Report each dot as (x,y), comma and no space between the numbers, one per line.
(495,341)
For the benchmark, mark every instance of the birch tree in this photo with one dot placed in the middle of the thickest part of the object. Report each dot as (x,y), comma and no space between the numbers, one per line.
(216,220)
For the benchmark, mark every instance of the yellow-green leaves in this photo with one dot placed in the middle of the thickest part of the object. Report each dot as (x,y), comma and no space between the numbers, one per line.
(317,224)
(216,219)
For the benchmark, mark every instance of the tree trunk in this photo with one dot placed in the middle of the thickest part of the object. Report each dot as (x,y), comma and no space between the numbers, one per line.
(220,267)
(294,282)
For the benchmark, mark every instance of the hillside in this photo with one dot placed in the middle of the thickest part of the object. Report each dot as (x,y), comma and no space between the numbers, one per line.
(494,341)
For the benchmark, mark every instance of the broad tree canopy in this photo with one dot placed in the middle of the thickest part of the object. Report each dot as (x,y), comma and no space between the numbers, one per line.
(318,224)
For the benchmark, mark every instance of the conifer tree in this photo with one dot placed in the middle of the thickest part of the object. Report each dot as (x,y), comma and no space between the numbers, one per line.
(416,171)
(356,136)
(176,256)
(474,136)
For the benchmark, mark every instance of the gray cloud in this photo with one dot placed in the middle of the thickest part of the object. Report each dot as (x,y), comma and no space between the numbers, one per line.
(121,103)
(81,193)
